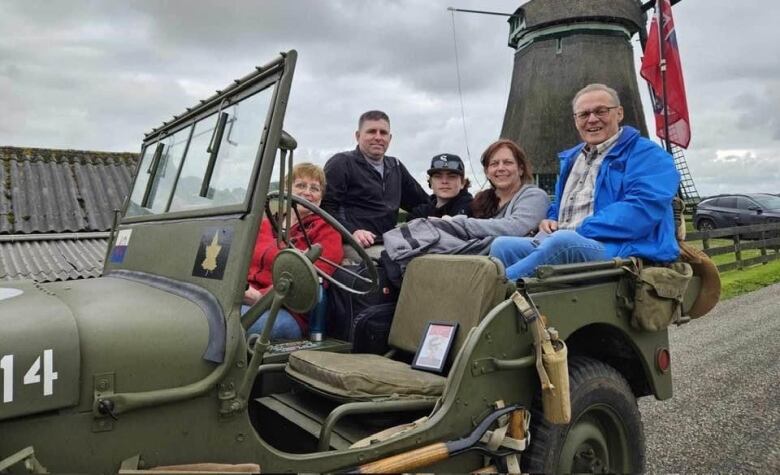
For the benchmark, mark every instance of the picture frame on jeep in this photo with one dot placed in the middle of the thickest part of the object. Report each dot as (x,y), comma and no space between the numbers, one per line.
(435,346)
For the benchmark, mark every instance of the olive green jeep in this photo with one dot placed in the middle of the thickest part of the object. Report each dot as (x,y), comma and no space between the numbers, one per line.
(148,369)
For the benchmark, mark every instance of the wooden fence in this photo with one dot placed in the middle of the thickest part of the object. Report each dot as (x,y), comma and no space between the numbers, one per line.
(763,237)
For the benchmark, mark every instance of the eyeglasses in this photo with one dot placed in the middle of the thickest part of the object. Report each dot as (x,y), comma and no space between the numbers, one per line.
(447,165)
(301,187)
(601,113)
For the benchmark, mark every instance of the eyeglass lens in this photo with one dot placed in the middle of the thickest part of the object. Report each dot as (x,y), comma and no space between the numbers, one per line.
(304,186)
(600,112)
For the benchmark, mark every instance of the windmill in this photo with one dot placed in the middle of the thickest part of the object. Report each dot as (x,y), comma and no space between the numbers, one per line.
(560,46)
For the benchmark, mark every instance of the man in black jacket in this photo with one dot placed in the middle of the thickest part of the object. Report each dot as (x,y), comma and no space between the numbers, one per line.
(365,188)
(450,189)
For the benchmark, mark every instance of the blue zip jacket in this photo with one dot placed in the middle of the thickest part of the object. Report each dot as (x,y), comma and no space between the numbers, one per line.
(632,210)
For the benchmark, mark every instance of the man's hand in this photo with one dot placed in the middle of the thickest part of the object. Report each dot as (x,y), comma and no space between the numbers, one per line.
(251,296)
(365,238)
(548,225)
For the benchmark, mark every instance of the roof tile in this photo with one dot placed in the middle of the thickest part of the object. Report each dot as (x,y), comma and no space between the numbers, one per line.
(52,260)
(44,190)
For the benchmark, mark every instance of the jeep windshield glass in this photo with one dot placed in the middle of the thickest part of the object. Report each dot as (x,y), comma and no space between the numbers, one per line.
(174,182)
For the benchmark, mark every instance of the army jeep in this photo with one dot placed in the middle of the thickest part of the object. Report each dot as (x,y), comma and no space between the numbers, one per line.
(148,369)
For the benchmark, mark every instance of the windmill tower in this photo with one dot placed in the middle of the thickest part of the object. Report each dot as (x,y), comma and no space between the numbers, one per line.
(560,46)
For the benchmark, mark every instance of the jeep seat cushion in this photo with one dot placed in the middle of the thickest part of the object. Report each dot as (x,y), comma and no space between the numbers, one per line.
(452,288)
(362,376)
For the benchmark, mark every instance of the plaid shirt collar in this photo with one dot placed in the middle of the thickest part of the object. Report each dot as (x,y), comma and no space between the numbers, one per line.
(579,192)
(603,147)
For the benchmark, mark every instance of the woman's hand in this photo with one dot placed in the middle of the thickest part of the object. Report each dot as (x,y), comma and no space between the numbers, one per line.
(251,296)
(548,225)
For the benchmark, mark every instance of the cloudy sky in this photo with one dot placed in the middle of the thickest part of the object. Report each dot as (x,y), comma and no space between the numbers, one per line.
(96,75)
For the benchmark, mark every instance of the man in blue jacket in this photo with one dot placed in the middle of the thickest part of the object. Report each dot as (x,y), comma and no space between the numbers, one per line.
(612,199)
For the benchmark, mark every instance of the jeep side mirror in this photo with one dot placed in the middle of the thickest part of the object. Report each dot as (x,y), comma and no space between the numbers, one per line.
(287,142)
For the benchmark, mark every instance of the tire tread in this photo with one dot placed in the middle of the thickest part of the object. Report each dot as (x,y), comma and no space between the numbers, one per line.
(536,459)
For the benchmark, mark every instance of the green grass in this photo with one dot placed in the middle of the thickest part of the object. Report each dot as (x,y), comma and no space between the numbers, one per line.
(738,282)
(728,257)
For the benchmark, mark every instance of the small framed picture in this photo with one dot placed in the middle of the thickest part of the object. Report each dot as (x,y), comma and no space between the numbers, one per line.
(435,346)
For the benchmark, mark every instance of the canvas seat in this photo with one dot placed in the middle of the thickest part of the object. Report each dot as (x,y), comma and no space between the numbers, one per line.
(459,289)
(367,377)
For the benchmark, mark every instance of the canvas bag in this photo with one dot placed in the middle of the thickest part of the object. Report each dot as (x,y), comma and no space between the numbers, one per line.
(659,293)
(427,236)
(410,240)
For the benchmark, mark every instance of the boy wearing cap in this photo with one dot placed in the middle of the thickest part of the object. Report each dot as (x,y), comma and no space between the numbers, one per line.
(450,189)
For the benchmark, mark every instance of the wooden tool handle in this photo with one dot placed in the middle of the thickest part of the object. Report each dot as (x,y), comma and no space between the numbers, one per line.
(488,469)
(407,461)
(517,425)
(207,467)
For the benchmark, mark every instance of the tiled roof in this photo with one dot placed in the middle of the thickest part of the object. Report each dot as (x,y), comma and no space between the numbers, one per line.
(45,190)
(52,257)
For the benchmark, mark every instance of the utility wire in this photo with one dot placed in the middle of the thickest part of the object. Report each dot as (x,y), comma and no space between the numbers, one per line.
(460,96)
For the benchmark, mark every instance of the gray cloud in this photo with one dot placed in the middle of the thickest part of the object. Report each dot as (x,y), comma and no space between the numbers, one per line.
(97,75)
(731,171)
(759,110)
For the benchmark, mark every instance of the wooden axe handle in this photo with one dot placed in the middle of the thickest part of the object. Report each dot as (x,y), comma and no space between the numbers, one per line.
(407,461)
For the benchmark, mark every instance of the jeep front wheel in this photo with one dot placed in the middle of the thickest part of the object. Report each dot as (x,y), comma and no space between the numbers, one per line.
(605,433)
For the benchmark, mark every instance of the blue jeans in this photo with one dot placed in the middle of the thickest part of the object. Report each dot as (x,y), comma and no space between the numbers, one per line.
(521,256)
(285,326)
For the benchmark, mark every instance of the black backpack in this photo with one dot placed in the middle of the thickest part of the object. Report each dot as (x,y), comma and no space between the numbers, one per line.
(345,307)
(371,329)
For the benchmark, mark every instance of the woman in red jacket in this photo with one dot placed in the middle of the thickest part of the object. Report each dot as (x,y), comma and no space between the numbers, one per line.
(308,183)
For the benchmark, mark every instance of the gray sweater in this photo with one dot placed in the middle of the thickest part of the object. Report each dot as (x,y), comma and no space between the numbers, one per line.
(462,235)
(519,217)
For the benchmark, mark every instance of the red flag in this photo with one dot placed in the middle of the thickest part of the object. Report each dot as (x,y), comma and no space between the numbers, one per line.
(677,105)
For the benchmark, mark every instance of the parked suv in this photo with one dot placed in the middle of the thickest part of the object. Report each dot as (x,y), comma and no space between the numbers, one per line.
(725,211)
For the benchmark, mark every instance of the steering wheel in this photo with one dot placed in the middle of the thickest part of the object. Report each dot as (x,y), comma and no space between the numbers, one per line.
(371,282)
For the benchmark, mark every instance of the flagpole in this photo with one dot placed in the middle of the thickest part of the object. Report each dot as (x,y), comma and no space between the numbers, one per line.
(677,210)
(659,7)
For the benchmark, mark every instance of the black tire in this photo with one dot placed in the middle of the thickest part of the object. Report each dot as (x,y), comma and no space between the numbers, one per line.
(705,224)
(605,434)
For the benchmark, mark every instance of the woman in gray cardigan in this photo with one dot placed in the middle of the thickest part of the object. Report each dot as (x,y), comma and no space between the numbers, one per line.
(513,205)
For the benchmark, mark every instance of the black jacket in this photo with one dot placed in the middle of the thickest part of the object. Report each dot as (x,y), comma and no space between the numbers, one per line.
(359,198)
(460,204)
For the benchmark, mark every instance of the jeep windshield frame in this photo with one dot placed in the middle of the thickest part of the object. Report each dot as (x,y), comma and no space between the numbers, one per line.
(214,149)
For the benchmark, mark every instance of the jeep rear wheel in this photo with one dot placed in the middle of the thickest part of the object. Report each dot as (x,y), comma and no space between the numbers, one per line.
(605,434)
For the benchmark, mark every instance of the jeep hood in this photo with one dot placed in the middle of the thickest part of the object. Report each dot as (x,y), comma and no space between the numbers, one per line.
(143,331)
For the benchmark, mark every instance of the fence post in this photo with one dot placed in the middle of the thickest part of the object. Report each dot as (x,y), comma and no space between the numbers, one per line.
(763,248)
(738,250)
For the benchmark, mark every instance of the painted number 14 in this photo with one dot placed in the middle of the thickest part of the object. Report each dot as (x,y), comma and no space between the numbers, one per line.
(32,376)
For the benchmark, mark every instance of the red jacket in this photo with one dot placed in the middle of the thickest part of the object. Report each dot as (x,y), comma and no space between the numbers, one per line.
(319,232)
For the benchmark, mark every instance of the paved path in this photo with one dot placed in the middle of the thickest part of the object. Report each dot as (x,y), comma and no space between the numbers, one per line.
(725,413)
